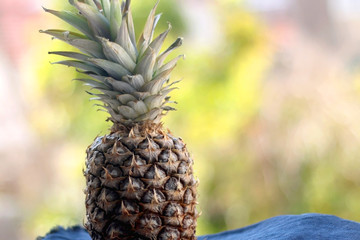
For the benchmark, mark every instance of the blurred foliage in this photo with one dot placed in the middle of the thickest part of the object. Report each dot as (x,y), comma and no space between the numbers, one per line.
(220,118)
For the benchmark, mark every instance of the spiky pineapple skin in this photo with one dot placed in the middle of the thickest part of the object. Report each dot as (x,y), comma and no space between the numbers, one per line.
(140,185)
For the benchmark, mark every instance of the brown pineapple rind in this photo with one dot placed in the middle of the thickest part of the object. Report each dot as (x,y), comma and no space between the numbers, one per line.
(140,185)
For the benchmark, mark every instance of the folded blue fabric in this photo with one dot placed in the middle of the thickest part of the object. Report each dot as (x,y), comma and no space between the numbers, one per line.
(72,233)
(310,226)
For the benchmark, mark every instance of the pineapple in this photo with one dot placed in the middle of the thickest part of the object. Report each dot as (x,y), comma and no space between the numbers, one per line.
(139,177)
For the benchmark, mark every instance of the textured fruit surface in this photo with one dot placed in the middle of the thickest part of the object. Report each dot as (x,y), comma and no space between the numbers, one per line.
(140,185)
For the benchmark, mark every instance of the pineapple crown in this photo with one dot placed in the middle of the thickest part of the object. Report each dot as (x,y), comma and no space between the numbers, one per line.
(131,76)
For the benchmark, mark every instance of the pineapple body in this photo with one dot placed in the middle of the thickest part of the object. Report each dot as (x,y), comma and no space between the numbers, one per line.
(140,185)
(140,182)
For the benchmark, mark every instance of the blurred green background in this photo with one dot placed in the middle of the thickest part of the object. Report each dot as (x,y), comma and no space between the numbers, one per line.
(269,107)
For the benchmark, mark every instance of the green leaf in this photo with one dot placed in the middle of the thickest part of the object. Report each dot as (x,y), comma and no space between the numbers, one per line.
(75,20)
(115,18)
(151,115)
(88,46)
(64,35)
(141,95)
(110,93)
(74,55)
(123,39)
(171,84)
(114,115)
(154,101)
(171,64)
(127,112)
(168,108)
(93,83)
(120,86)
(161,58)
(116,53)
(157,100)
(113,69)
(138,106)
(125,98)
(81,65)
(146,66)
(97,77)
(125,6)
(77,40)
(137,81)
(156,20)
(149,27)
(126,12)
(114,104)
(131,29)
(167,91)
(106,8)
(91,3)
(155,85)
(98,22)
(146,42)
(100,96)
(158,42)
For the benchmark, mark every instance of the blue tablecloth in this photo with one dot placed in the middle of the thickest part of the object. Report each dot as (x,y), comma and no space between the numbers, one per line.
(310,226)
